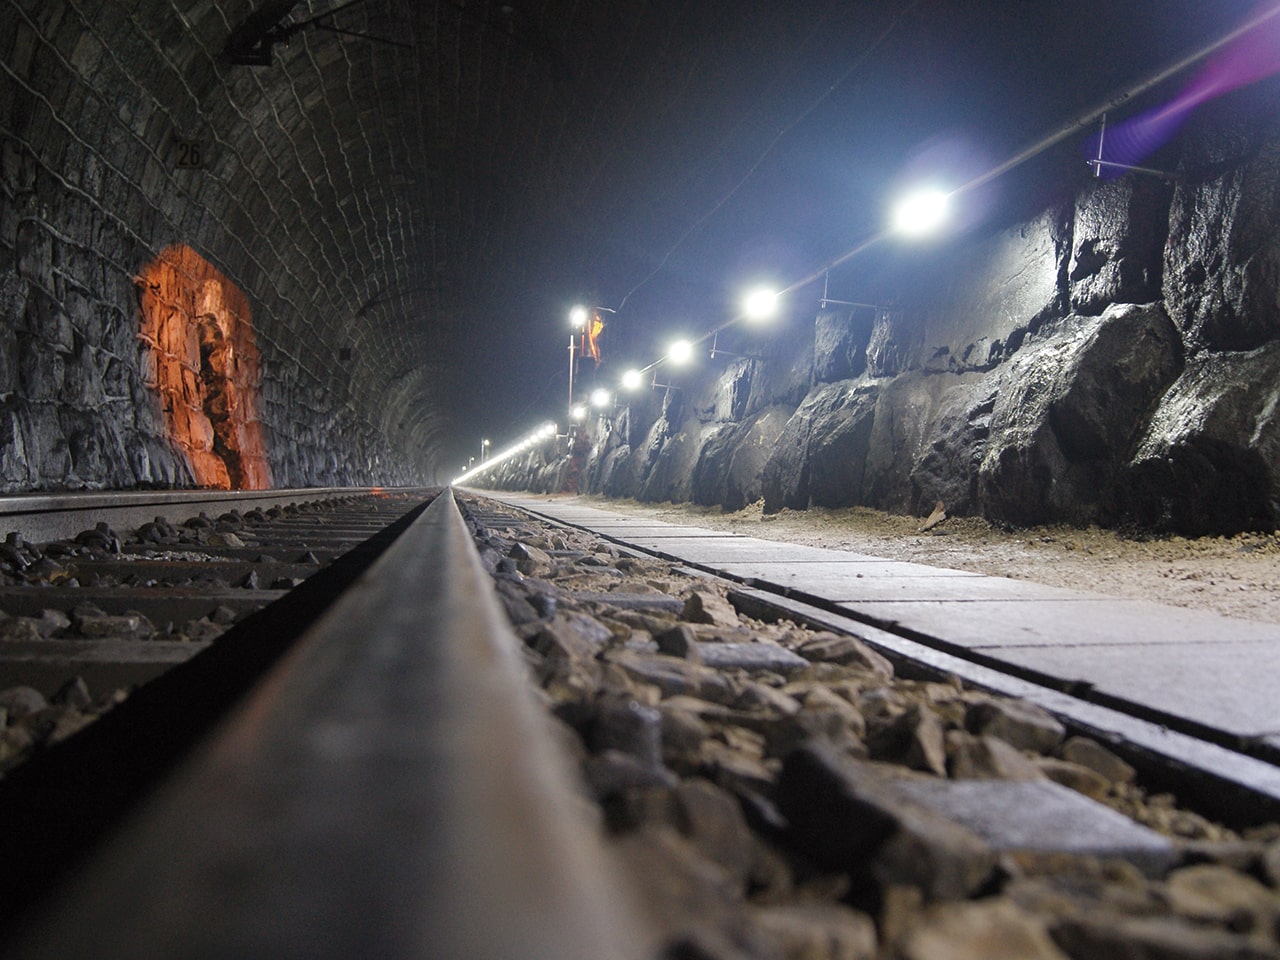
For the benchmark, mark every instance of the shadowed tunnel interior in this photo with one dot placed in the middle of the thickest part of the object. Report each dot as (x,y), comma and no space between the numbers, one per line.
(409,196)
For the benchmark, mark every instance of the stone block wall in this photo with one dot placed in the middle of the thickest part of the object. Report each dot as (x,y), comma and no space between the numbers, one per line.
(97,99)
(1115,360)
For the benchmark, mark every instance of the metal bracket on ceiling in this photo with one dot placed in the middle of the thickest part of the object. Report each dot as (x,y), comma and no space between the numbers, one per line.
(716,352)
(824,300)
(1098,163)
(252,43)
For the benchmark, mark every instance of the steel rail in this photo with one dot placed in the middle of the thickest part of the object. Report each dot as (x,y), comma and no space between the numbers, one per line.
(391,788)
(50,516)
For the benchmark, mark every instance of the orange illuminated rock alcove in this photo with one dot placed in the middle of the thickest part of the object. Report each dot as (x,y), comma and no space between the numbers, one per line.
(204,363)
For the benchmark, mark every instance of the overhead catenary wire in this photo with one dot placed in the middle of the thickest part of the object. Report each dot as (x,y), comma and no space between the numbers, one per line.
(839,81)
(1061,132)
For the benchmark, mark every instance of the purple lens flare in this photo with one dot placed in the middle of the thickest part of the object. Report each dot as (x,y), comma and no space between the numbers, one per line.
(1253,56)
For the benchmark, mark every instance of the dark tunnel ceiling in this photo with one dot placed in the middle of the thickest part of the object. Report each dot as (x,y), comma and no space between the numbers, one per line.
(547,153)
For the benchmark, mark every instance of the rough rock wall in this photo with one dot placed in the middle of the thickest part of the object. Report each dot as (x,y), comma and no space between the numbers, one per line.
(1113,361)
(201,356)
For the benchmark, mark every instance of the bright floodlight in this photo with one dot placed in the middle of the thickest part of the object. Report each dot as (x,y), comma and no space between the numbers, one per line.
(578,316)
(760,304)
(680,352)
(600,397)
(632,379)
(578,412)
(548,430)
(921,212)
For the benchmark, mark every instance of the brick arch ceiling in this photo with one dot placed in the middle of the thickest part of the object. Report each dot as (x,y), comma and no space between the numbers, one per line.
(391,186)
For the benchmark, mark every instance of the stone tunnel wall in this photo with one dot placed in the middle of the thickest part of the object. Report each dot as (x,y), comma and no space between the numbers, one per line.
(95,103)
(1113,361)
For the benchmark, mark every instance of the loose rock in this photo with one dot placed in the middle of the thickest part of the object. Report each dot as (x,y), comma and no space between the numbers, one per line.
(1017,722)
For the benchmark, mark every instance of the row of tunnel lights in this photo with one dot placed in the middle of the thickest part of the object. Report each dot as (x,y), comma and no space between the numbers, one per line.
(759,304)
(916,215)
(545,432)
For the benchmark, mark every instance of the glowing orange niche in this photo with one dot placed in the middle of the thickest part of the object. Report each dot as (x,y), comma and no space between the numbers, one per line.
(204,363)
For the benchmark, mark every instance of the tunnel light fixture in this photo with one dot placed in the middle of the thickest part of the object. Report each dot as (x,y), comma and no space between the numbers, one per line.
(680,352)
(600,397)
(760,303)
(920,212)
(578,412)
(578,317)
(632,379)
(539,435)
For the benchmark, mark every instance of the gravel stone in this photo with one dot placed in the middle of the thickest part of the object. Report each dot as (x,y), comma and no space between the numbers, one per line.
(915,739)
(1017,722)
(711,819)
(680,641)
(987,758)
(1271,864)
(1091,754)
(751,657)
(674,676)
(53,622)
(1073,775)
(531,561)
(572,635)
(628,726)
(683,734)
(996,930)
(74,693)
(1209,893)
(705,606)
(688,900)
(818,931)
(1155,938)
(20,630)
(846,815)
(21,701)
(844,650)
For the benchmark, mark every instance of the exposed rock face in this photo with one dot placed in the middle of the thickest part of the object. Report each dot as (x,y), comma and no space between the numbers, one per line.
(729,471)
(1210,459)
(1222,262)
(1113,360)
(1117,249)
(1066,412)
(840,340)
(821,454)
(947,468)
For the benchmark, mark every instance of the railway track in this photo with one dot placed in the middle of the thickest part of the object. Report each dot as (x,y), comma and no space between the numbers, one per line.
(362,767)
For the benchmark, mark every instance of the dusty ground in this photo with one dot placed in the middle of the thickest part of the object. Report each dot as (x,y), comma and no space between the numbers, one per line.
(1236,576)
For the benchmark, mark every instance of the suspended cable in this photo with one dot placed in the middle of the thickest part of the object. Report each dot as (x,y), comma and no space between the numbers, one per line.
(848,72)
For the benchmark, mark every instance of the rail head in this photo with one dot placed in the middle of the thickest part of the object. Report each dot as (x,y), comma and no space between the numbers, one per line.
(391,788)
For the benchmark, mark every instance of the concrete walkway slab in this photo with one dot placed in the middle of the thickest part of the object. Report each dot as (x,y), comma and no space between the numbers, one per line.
(1226,686)
(988,625)
(724,550)
(664,531)
(800,570)
(890,580)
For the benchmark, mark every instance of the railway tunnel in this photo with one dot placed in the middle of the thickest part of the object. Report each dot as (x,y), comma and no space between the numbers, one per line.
(254,244)
(265,245)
